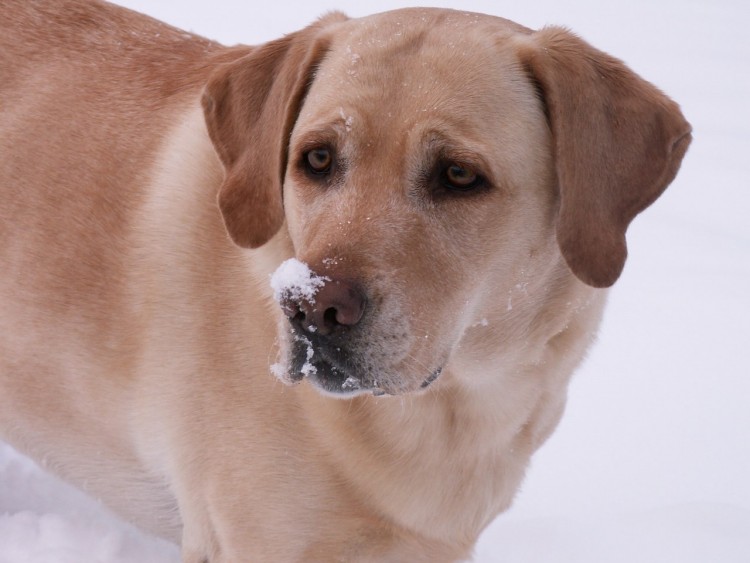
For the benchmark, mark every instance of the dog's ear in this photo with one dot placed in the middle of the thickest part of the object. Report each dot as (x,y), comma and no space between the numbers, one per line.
(250,106)
(617,140)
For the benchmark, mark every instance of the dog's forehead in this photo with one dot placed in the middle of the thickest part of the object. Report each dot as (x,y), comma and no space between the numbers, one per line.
(444,23)
(408,65)
(416,41)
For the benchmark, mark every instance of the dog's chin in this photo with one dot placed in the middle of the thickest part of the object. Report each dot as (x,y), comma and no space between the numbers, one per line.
(333,382)
(341,378)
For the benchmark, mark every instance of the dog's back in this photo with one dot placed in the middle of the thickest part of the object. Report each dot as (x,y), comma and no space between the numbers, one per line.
(82,110)
(88,92)
(92,88)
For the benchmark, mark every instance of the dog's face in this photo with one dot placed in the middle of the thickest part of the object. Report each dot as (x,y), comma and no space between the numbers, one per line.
(423,176)
(434,176)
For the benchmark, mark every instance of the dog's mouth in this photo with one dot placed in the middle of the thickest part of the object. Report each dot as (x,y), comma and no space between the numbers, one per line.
(334,371)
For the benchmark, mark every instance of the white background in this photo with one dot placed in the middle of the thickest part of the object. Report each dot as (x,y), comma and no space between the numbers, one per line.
(652,460)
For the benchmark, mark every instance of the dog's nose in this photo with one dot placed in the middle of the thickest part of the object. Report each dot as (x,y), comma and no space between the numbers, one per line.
(337,305)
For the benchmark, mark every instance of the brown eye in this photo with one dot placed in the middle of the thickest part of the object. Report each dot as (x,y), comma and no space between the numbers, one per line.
(319,161)
(460,178)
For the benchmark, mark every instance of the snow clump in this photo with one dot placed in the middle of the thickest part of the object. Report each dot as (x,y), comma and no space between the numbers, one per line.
(295,280)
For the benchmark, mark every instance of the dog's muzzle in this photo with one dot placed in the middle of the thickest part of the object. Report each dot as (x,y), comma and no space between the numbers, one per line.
(326,319)
(325,361)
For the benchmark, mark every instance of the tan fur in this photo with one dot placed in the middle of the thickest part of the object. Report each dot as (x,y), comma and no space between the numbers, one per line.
(136,318)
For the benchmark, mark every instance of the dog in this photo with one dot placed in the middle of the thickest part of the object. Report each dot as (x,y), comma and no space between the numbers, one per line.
(317,299)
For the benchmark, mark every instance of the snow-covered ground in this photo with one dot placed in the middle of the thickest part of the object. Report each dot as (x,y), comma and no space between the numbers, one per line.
(652,460)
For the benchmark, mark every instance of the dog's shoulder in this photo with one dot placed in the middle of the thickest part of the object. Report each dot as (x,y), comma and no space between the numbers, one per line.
(111,42)
(77,23)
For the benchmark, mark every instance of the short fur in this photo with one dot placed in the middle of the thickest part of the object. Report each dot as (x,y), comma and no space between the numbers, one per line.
(137,325)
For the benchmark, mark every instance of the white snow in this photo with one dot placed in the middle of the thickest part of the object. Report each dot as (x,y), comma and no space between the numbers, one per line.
(351,384)
(294,280)
(651,461)
(308,368)
(279,370)
(43,520)
(347,119)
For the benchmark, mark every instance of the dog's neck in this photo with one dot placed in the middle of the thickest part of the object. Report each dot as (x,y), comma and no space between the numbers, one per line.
(445,462)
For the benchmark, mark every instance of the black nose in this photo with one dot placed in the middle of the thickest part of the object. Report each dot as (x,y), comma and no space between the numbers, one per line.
(337,305)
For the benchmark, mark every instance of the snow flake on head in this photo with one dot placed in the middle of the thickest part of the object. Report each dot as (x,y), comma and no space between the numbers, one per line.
(347,119)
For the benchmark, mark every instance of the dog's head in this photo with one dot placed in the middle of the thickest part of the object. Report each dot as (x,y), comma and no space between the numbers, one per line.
(431,166)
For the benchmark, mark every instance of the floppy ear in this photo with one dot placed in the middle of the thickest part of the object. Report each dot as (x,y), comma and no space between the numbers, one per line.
(250,106)
(618,142)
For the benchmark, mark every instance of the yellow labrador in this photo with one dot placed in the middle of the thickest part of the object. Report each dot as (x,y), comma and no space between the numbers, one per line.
(453,192)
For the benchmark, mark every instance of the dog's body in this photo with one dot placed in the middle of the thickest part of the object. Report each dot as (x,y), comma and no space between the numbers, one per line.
(456,189)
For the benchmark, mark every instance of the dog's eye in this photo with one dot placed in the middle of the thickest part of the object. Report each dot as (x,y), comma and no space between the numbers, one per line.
(318,161)
(460,178)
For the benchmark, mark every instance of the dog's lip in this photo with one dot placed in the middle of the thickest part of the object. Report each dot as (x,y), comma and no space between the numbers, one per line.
(431,379)
(353,386)
(333,373)
(343,385)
